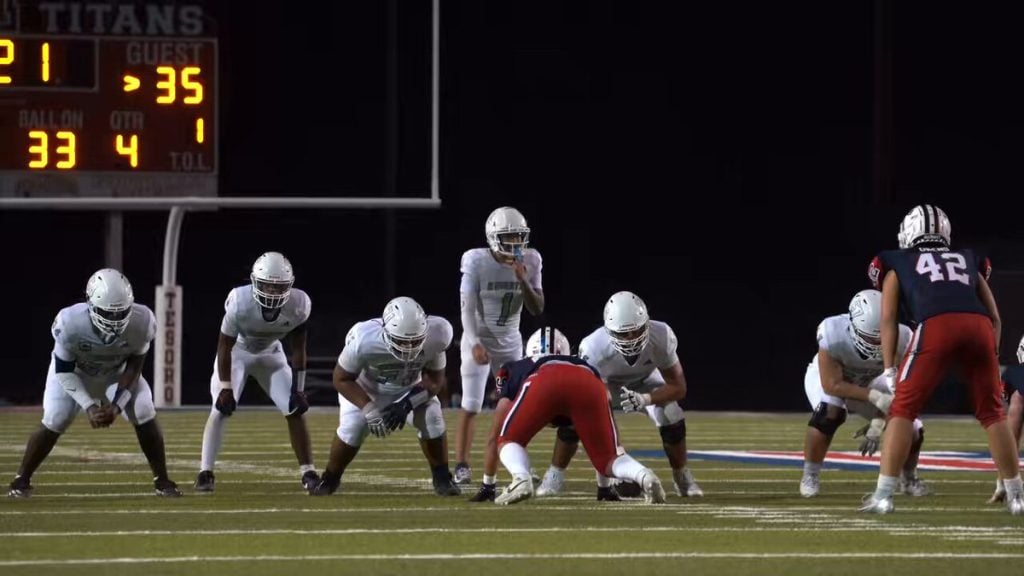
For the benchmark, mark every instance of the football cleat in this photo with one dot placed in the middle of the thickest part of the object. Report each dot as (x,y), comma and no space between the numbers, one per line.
(627,489)
(520,489)
(463,473)
(551,485)
(164,487)
(486,493)
(913,486)
(446,486)
(310,479)
(810,485)
(328,485)
(874,505)
(1015,505)
(20,488)
(653,492)
(608,494)
(685,485)
(204,481)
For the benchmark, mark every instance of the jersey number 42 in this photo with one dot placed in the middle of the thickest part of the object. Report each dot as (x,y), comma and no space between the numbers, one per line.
(956,267)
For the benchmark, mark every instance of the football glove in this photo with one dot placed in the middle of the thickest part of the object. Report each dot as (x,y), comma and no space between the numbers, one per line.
(375,421)
(633,401)
(880,399)
(872,434)
(225,403)
(395,414)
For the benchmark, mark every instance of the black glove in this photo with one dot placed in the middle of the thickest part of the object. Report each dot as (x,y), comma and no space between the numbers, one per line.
(395,413)
(225,403)
(297,404)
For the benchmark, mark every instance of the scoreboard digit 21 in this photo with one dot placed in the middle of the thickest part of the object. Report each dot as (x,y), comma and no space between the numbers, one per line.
(107,98)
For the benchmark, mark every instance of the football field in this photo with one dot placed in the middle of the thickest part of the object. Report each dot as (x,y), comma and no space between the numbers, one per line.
(93,510)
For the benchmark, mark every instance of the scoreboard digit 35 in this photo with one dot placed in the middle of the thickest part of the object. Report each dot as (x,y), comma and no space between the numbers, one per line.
(107,99)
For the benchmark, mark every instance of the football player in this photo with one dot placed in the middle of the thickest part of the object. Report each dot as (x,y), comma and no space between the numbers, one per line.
(257,318)
(846,376)
(389,374)
(543,342)
(496,282)
(96,366)
(1013,385)
(957,324)
(559,390)
(637,359)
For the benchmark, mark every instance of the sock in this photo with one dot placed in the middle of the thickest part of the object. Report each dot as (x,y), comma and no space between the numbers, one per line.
(886,486)
(603,481)
(440,472)
(555,473)
(812,468)
(306,468)
(213,437)
(489,479)
(1014,486)
(626,468)
(515,459)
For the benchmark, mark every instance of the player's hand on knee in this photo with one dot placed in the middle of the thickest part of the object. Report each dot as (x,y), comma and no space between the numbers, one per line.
(395,414)
(480,355)
(298,404)
(880,399)
(225,403)
(100,416)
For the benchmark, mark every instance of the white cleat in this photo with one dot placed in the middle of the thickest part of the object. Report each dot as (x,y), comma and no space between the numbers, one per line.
(1015,505)
(551,485)
(653,492)
(873,505)
(810,485)
(914,486)
(520,489)
(686,486)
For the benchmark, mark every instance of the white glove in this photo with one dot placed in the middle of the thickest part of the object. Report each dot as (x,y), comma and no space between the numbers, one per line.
(872,434)
(880,399)
(890,379)
(375,420)
(634,401)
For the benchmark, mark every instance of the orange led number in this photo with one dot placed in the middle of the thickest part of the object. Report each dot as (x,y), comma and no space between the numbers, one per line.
(167,84)
(40,150)
(6,57)
(131,150)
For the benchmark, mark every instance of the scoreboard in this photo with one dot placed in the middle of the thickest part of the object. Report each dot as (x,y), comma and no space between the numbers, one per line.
(107,99)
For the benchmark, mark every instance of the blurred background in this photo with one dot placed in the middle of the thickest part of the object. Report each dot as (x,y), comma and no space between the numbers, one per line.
(735,164)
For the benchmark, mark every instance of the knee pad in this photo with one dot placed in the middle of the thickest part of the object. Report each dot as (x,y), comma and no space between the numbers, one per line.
(673,433)
(567,434)
(353,432)
(429,420)
(827,419)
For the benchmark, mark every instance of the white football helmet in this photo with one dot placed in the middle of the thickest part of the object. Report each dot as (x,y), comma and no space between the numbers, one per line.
(405,328)
(1020,351)
(110,301)
(924,223)
(272,280)
(866,322)
(626,320)
(547,341)
(507,232)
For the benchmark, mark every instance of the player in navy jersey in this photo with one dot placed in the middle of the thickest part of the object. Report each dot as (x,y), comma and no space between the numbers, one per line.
(1013,389)
(556,389)
(957,324)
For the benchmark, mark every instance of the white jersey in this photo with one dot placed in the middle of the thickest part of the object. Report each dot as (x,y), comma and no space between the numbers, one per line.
(95,355)
(499,296)
(243,319)
(835,338)
(659,353)
(380,373)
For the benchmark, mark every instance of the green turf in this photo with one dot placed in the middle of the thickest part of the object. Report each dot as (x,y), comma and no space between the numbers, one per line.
(93,503)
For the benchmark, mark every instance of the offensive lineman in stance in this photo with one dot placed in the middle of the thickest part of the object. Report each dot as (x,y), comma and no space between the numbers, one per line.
(257,317)
(99,349)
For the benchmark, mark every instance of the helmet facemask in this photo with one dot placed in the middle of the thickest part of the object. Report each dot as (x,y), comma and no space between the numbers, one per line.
(110,320)
(511,243)
(110,299)
(865,323)
(405,349)
(868,345)
(271,294)
(629,342)
(405,328)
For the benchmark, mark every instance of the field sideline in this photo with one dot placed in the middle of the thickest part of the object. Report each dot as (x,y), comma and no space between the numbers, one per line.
(93,511)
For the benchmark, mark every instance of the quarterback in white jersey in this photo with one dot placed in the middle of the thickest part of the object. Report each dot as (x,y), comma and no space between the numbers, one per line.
(846,375)
(637,359)
(98,352)
(257,318)
(497,282)
(388,375)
